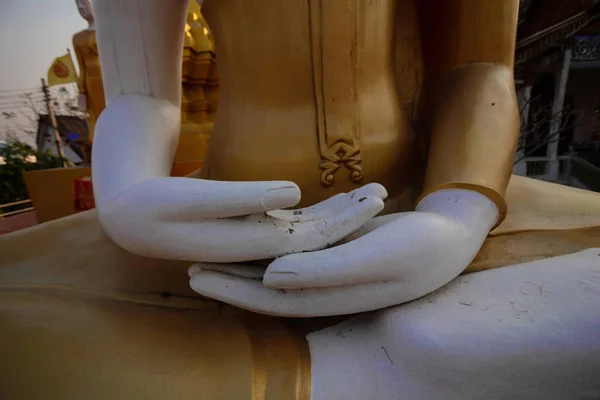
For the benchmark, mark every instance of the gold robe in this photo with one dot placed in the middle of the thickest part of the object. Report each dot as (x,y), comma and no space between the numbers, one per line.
(90,76)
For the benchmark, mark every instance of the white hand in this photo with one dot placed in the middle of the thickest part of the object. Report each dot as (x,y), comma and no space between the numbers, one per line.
(150,214)
(200,220)
(399,258)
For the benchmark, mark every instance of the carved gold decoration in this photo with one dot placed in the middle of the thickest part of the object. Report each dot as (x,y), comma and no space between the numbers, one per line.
(200,80)
(339,154)
(336,88)
(199,84)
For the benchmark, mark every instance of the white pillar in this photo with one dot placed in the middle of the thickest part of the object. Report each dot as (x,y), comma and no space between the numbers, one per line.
(560,88)
(524,97)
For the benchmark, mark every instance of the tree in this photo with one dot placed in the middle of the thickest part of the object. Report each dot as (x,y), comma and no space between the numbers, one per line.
(21,110)
(535,135)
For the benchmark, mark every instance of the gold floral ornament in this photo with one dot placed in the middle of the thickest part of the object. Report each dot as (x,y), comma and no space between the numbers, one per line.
(341,153)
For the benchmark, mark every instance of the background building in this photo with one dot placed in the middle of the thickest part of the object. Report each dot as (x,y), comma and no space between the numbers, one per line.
(557,70)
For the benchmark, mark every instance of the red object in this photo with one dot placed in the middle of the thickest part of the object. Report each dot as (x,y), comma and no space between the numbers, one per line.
(84,194)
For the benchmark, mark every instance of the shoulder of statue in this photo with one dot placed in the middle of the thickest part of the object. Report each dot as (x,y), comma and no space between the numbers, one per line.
(83,35)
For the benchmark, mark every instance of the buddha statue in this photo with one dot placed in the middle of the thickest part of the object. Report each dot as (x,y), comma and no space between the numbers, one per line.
(200,84)
(361,107)
(91,91)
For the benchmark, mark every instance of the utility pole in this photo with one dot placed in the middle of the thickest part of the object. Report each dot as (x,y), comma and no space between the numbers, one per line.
(84,145)
(53,124)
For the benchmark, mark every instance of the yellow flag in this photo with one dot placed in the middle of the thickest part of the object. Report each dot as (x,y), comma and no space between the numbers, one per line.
(62,71)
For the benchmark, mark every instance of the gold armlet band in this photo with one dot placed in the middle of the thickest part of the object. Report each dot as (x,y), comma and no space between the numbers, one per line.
(488,192)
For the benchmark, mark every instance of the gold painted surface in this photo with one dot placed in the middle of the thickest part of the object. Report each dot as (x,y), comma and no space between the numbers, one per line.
(335,53)
(524,246)
(538,205)
(408,56)
(327,103)
(90,76)
(330,111)
(200,82)
(474,133)
(200,79)
(186,169)
(82,318)
(468,109)
(544,220)
(52,191)
(193,142)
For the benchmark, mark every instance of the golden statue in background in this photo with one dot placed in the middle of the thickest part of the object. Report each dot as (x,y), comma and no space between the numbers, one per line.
(200,83)
(91,90)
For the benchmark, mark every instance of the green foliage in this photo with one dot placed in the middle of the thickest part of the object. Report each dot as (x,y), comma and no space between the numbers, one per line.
(18,157)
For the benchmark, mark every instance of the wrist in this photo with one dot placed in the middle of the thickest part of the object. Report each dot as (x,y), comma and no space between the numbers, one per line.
(136,137)
(473,210)
(486,191)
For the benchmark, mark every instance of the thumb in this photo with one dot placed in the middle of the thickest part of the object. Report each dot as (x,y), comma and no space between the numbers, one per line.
(230,199)
(192,199)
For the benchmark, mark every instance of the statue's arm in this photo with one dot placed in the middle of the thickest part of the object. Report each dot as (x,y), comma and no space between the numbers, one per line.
(470,106)
(140,47)
(147,212)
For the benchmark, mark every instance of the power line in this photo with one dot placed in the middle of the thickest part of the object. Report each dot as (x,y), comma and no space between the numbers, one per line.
(20,101)
(14,106)
(16,100)
(9,102)
(18,90)
(22,96)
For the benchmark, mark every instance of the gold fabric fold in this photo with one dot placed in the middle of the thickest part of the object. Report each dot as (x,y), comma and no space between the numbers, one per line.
(81,318)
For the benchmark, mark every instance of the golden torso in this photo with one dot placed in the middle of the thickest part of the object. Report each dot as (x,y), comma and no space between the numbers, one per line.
(309,94)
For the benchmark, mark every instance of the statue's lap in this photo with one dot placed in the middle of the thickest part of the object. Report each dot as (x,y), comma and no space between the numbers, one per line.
(85,319)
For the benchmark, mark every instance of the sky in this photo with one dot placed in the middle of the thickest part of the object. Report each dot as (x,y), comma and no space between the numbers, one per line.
(32,34)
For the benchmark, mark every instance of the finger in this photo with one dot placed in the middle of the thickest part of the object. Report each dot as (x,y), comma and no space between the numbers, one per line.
(192,199)
(373,224)
(239,270)
(251,295)
(370,258)
(332,205)
(336,227)
(253,237)
(398,250)
(258,237)
(336,202)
